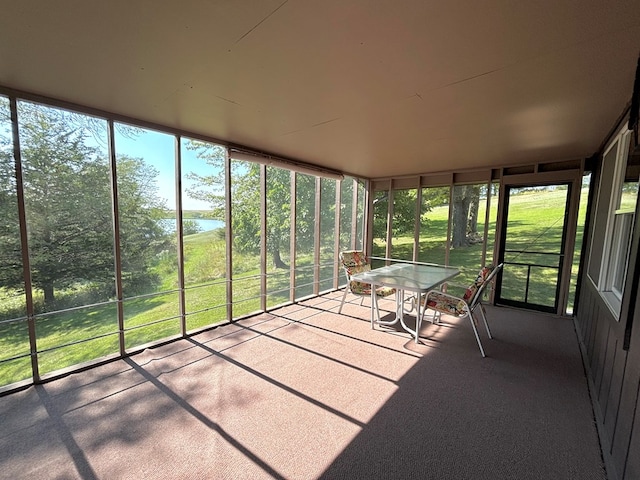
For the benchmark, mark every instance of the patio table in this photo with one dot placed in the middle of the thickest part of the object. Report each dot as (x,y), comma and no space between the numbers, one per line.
(405,277)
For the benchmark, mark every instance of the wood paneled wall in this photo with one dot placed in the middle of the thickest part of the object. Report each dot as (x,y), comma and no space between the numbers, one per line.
(614,377)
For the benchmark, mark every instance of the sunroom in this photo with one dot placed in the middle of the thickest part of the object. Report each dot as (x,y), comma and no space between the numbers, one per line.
(175,201)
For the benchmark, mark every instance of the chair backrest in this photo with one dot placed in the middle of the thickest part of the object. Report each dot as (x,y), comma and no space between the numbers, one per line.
(354,261)
(485,277)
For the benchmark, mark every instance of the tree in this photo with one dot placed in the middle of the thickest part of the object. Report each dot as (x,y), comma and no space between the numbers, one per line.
(68,208)
(380,214)
(278,213)
(10,258)
(347,218)
(65,184)
(246,201)
(466,201)
(432,197)
(404,212)
(190,227)
(142,238)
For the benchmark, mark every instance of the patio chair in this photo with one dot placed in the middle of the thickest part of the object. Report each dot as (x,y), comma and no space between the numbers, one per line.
(441,302)
(353,262)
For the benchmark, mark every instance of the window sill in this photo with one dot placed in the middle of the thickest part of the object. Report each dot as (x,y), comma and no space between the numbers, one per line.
(613,303)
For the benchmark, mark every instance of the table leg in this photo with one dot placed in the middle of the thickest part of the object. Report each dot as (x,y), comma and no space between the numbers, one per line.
(400,314)
(418,315)
(374,303)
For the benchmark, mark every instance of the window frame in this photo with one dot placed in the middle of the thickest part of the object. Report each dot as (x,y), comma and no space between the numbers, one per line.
(615,255)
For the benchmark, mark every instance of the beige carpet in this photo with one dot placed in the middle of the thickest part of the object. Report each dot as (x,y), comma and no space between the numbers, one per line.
(305,393)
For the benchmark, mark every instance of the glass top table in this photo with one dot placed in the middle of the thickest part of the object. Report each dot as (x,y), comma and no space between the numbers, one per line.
(405,277)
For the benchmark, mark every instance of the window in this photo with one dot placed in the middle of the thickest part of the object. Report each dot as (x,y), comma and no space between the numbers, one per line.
(620,219)
(619,251)
(126,247)
(145,166)
(68,213)
(434,221)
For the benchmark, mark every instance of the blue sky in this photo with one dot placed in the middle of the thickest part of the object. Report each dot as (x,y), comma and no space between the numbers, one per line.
(158,149)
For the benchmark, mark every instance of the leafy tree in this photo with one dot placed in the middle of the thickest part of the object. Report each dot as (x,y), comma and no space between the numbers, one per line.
(380,209)
(209,187)
(142,238)
(68,209)
(278,213)
(10,258)
(65,184)
(246,201)
(305,211)
(432,197)
(404,212)
(190,227)
(404,205)
(347,220)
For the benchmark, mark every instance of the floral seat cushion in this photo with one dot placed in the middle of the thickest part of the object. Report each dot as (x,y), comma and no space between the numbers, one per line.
(354,262)
(442,302)
(360,288)
(451,305)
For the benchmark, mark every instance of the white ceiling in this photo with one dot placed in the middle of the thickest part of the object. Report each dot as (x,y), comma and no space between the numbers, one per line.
(374,88)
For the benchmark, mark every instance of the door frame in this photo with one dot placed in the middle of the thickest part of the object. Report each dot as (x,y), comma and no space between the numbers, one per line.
(573,177)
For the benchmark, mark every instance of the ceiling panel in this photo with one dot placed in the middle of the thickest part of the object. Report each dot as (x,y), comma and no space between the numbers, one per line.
(371,88)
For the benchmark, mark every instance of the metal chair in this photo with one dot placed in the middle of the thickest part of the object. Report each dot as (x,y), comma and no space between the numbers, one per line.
(353,262)
(441,302)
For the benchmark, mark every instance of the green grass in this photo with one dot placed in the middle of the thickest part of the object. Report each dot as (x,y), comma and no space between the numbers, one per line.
(536,221)
(68,338)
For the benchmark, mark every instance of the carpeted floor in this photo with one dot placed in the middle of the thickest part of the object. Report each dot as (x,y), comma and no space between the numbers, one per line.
(305,393)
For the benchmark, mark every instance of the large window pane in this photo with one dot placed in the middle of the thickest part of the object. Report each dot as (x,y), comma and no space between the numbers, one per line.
(603,211)
(493,220)
(278,235)
(94,337)
(622,225)
(67,198)
(305,218)
(146,208)
(467,238)
(434,219)
(582,214)
(360,221)
(15,363)
(351,218)
(622,230)
(380,214)
(203,209)
(404,221)
(245,211)
(491,230)
(327,233)
(348,220)
(351,214)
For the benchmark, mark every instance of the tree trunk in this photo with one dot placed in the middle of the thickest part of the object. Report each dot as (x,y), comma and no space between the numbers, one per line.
(49,297)
(473,210)
(277,261)
(461,204)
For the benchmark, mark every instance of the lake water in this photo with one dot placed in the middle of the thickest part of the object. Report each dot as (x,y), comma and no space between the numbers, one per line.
(205,224)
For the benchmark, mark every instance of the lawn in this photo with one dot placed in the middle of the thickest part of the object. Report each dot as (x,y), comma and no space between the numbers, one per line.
(535,225)
(86,333)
